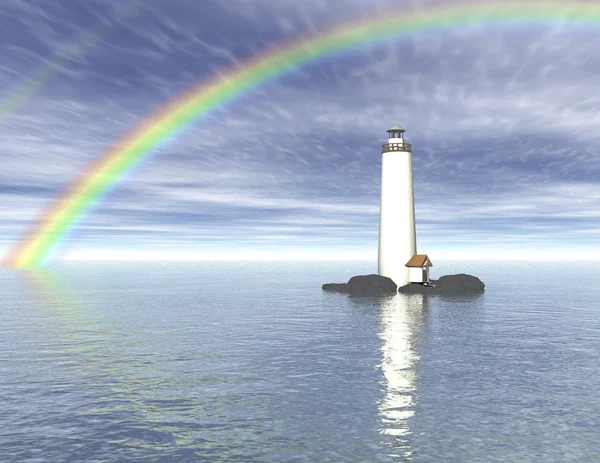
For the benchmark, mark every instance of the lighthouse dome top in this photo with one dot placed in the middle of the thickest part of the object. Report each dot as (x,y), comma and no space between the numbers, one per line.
(396,127)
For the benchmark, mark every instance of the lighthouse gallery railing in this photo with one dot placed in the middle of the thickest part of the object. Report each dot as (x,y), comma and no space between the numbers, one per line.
(396,147)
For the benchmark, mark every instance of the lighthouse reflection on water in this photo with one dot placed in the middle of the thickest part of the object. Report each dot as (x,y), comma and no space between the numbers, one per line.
(402,318)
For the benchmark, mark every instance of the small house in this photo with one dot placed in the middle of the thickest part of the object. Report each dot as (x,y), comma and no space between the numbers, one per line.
(418,269)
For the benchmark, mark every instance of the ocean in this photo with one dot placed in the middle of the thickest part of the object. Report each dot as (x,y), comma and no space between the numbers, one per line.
(253,362)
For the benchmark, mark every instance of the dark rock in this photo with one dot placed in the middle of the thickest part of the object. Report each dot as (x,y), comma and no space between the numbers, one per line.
(336,287)
(364,284)
(372,284)
(448,285)
(414,288)
(460,284)
(451,286)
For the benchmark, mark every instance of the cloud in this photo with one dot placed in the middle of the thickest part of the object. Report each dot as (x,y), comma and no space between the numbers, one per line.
(502,123)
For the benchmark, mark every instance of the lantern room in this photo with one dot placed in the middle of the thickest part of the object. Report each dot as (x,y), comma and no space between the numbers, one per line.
(396,134)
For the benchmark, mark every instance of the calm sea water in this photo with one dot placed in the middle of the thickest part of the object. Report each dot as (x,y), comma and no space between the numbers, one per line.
(252,362)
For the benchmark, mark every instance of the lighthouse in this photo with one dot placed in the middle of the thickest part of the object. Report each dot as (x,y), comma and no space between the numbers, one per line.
(397,233)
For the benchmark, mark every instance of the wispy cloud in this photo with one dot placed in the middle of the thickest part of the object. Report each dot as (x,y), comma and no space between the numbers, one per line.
(502,123)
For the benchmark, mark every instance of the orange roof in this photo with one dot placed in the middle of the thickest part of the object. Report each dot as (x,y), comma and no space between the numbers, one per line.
(419,260)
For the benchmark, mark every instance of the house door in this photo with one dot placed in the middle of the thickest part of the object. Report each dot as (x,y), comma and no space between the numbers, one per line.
(425,275)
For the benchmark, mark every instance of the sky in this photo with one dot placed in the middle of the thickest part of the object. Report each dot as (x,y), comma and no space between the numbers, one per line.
(503,122)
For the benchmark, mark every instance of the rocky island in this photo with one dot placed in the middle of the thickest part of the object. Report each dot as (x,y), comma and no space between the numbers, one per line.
(459,284)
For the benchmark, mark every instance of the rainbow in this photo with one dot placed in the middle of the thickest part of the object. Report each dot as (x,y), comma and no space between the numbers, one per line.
(24,90)
(166,122)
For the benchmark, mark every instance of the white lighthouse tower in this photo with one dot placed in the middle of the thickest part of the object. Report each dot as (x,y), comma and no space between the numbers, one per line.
(397,233)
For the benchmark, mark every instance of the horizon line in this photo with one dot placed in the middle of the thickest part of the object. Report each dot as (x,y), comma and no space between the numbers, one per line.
(328,258)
